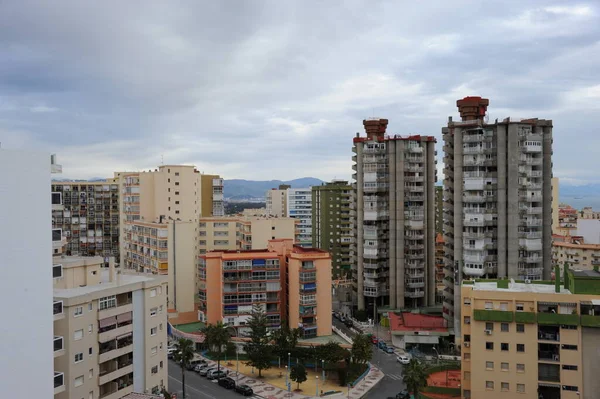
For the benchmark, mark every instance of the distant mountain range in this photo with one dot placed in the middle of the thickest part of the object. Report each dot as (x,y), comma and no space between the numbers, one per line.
(238,189)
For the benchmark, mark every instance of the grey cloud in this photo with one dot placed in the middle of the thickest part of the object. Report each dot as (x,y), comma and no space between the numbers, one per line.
(277,89)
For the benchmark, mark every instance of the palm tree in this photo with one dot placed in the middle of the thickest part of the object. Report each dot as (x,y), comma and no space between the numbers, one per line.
(415,376)
(217,336)
(184,355)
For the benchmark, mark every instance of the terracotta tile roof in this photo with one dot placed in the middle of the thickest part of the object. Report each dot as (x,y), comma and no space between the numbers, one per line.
(407,321)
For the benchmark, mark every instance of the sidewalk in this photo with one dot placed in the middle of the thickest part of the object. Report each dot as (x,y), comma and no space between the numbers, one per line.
(272,385)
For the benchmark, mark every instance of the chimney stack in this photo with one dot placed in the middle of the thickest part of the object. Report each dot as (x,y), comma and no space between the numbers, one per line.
(472,108)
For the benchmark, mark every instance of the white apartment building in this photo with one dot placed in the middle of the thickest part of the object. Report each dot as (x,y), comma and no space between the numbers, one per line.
(276,201)
(110,330)
(299,207)
(27,362)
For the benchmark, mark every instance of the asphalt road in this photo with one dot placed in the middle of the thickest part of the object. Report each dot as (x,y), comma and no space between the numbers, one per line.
(392,383)
(197,387)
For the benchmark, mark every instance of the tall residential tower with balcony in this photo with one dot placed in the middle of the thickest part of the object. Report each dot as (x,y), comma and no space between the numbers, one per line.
(331,224)
(497,199)
(299,207)
(393,218)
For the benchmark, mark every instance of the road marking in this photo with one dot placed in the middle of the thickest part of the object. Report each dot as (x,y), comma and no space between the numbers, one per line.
(394,376)
(193,389)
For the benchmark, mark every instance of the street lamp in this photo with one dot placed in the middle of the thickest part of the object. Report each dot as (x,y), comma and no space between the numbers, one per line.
(286,375)
(323,368)
(237,365)
(182,373)
(317,380)
(289,367)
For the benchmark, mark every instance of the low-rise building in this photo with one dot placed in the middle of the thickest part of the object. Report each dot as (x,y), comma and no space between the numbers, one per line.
(110,329)
(285,281)
(536,339)
(574,251)
(589,213)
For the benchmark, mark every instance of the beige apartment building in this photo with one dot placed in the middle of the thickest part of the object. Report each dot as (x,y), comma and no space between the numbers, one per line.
(285,281)
(87,215)
(159,231)
(497,199)
(277,201)
(589,213)
(573,250)
(212,196)
(242,232)
(531,340)
(110,330)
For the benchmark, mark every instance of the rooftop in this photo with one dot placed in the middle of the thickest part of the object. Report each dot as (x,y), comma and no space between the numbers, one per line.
(408,321)
(74,261)
(546,287)
(105,283)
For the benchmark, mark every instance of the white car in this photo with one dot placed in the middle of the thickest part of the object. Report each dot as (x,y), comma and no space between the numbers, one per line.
(402,359)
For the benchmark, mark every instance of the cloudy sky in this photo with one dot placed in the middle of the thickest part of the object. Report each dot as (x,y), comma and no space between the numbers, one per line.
(277,89)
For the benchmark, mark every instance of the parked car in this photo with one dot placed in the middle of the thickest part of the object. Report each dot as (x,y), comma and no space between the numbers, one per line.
(401,395)
(342,319)
(402,359)
(171,352)
(389,349)
(348,323)
(244,390)
(381,344)
(203,372)
(216,374)
(374,339)
(192,365)
(227,382)
(200,367)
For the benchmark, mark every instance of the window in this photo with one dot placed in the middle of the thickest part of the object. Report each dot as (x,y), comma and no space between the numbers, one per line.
(176,183)
(489,306)
(520,347)
(467,301)
(91,373)
(159,290)
(177,212)
(153,292)
(90,306)
(569,347)
(107,302)
(160,346)
(160,309)
(520,368)
(154,369)
(77,335)
(90,328)
(176,202)
(504,327)
(504,306)
(91,396)
(153,331)
(467,356)
(503,346)
(90,351)
(467,337)
(489,385)
(489,365)
(489,326)
(78,311)
(520,307)
(489,346)
(504,366)
(160,326)
(570,388)
(467,319)
(521,388)
(161,364)
(176,192)
(569,367)
(78,381)
(153,350)
(57,271)
(176,173)
(78,357)
(152,312)
(504,386)
(467,375)
(467,393)
(521,328)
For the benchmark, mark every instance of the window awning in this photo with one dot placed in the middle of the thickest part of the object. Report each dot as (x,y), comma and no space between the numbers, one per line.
(125,317)
(125,335)
(310,286)
(109,321)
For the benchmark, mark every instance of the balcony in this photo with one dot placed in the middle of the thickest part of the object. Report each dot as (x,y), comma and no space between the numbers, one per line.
(414,294)
(123,304)
(558,319)
(57,309)
(59,382)
(472,138)
(59,346)
(548,352)
(493,315)
(114,331)
(115,348)
(525,317)
(548,333)
(415,284)
(115,368)
(117,388)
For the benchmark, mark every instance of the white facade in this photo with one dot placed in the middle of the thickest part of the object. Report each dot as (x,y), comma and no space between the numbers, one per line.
(25,243)
(299,206)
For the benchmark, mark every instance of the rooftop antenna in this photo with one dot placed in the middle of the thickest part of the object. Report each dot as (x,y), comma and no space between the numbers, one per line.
(162,159)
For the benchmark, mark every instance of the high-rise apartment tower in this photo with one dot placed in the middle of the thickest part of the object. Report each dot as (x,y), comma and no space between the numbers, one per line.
(498,199)
(394,218)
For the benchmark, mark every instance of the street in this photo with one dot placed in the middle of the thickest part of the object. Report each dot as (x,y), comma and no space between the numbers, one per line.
(392,382)
(197,387)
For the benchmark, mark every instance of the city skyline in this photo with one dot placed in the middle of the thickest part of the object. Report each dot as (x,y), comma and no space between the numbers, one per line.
(178,84)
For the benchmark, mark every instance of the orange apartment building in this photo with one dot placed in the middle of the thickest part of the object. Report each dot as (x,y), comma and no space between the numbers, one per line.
(281,280)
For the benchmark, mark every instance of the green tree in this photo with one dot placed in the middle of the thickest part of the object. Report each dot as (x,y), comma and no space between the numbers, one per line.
(230,350)
(361,315)
(184,355)
(298,374)
(332,352)
(285,339)
(259,348)
(217,336)
(415,376)
(362,349)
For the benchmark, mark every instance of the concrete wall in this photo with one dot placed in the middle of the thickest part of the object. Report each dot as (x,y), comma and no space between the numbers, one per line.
(590,364)
(183,258)
(26,247)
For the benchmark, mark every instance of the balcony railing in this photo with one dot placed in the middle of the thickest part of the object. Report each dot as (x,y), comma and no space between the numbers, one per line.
(549,356)
(59,379)
(58,344)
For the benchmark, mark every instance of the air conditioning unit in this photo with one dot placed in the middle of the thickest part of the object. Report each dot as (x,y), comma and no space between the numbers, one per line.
(488,332)
(467,344)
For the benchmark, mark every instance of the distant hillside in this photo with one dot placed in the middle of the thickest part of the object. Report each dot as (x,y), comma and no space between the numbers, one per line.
(247,189)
